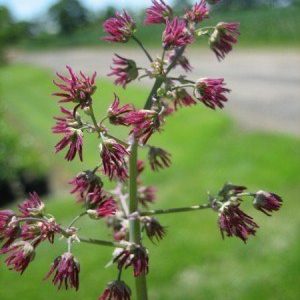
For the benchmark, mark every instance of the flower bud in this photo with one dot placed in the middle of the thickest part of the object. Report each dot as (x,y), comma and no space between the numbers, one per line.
(267,202)
(116,290)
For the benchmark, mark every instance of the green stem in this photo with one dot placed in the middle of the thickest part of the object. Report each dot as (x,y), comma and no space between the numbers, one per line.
(179,52)
(143,48)
(182,80)
(67,235)
(101,242)
(77,218)
(174,210)
(134,225)
(99,130)
(158,82)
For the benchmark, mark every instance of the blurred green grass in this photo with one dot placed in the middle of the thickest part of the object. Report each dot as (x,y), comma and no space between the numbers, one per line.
(192,262)
(266,27)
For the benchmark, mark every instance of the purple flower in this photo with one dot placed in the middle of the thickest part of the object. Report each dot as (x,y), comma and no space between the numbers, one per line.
(106,208)
(40,231)
(223,37)
(144,122)
(153,229)
(183,98)
(77,89)
(5,218)
(159,158)
(176,34)
(20,255)
(85,184)
(113,157)
(32,207)
(137,257)
(211,92)
(67,269)
(234,222)
(158,13)
(73,136)
(9,228)
(146,195)
(116,290)
(125,70)
(117,114)
(198,13)
(267,202)
(181,61)
(120,28)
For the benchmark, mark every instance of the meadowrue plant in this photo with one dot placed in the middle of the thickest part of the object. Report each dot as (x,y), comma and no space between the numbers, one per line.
(126,207)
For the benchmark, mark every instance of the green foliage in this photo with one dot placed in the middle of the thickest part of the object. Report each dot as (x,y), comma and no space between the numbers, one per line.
(192,262)
(10,31)
(267,27)
(69,15)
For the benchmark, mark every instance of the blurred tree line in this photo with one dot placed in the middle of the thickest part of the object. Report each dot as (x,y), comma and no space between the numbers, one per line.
(66,17)
(11,31)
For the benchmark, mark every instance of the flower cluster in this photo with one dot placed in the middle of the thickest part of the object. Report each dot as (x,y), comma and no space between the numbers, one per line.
(223,37)
(125,70)
(235,222)
(116,290)
(135,256)
(119,28)
(159,158)
(154,229)
(76,89)
(66,271)
(176,34)
(198,13)
(118,115)
(113,156)
(158,13)
(22,233)
(211,92)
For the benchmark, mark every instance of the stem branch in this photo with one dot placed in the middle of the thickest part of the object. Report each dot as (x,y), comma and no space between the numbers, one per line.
(143,48)
(134,225)
(102,242)
(174,210)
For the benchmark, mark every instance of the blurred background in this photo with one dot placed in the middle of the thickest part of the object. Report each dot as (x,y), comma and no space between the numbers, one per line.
(254,141)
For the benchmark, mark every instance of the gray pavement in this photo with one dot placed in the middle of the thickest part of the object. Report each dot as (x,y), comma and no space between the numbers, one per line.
(265,84)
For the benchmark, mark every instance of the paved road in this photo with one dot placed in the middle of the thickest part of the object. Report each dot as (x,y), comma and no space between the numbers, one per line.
(265,85)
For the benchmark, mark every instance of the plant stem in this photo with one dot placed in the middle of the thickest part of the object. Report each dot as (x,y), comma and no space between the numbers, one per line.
(174,210)
(134,225)
(77,218)
(158,82)
(179,53)
(143,48)
(101,242)
(182,80)
(99,130)
(82,239)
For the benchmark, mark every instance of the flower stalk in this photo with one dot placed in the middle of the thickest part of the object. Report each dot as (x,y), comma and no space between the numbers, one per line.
(175,210)
(22,232)
(134,224)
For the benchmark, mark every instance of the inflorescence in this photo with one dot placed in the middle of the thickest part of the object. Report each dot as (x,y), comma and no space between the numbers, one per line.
(22,232)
